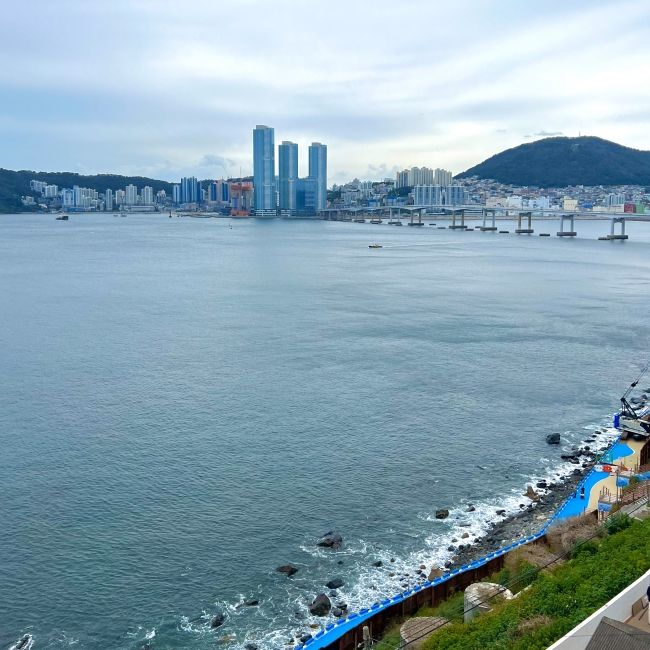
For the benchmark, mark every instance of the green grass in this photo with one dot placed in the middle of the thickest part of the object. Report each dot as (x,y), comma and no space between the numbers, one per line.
(390,640)
(558,599)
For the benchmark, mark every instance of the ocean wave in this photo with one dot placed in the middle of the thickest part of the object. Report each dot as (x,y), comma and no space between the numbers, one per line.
(274,624)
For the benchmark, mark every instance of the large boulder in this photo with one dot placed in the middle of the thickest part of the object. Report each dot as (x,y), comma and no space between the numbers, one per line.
(331,540)
(218,620)
(531,494)
(289,569)
(334,583)
(320,606)
(442,513)
(553,438)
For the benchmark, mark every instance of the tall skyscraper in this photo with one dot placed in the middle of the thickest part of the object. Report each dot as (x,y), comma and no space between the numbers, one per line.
(131,195)
(191,190)
(264,169)
(318,171)
(176,193)
(147,195)
(288,174)
(108,200)
(442,177)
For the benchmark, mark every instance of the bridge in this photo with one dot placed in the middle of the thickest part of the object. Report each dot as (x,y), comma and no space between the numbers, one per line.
(458,213)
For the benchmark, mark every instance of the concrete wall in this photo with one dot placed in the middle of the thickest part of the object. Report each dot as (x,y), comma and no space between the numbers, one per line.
(618,608)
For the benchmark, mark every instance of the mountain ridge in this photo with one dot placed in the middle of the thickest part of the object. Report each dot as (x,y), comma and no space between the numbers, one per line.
(562,161)
(14,184)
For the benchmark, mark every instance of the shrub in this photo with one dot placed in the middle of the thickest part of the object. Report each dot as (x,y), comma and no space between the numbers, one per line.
(586,548)
(617,523)
(558,599)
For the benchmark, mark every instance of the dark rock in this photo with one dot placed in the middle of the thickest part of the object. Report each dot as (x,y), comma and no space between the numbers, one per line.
(288,569)
(577,472)
(340,562)
(454,540)
(553,438)
(304,638)
(378,563)
(218,620)
(342,606)
(442,513)
(337,612)
(501,512)
(531,494)
(299,615)
(435,573)
(451,548)
(392,559)
(252,603)
(334,583)
(331,540)
(541,484)
(320,606)
(251,646)
(470,508)
(333,593)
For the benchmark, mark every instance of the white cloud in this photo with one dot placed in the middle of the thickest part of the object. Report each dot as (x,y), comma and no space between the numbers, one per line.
(152,85)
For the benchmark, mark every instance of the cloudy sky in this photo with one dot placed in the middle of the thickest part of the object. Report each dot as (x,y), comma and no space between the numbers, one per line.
(169,87)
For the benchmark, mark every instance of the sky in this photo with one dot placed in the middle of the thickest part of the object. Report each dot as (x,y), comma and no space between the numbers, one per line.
(166,88)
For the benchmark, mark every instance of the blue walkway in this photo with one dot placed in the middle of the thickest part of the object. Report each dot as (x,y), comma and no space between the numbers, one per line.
(616,451)
(573,506)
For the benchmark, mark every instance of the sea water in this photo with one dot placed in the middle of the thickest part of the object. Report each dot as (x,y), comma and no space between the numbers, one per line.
(186,404)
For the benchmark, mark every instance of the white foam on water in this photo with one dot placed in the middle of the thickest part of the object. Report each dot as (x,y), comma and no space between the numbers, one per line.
(273,626)
(28,645)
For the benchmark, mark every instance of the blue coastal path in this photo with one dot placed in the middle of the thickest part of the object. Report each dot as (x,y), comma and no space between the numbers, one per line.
(573,506)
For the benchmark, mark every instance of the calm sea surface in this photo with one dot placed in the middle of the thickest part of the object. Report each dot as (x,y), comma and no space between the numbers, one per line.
(185,406)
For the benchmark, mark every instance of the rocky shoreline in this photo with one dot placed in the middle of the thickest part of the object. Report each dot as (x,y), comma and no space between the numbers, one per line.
(546,497)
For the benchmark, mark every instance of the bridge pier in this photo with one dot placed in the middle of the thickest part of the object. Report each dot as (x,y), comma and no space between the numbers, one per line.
(461,225)
(418,222)
(493,227)
(612,233)
(525,231)
(567,233)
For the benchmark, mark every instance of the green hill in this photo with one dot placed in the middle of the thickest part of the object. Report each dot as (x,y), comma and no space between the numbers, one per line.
(558,162)
(14,184)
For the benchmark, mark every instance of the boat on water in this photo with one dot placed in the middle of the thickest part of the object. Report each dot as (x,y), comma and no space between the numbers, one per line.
(634,421)
(62,217)
(24,643)
(375,246)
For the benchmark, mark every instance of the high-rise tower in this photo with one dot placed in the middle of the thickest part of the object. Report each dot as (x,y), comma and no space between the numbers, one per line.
(318,171)
(264,170)
(288,176)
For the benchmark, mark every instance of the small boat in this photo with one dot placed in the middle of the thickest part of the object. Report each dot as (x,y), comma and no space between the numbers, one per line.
(25,643)
(375,246)
(62,217)
(634,421)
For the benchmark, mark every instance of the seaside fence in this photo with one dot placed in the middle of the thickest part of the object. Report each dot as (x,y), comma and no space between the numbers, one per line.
(347,633)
